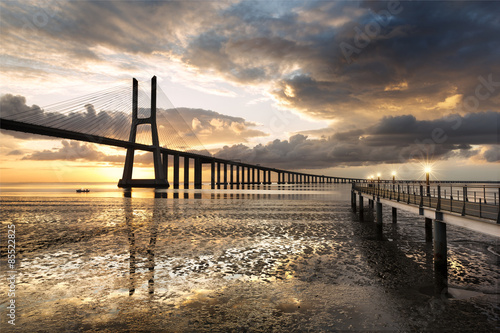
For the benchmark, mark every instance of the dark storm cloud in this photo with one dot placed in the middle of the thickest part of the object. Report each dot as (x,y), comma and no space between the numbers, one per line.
(392,140)
(410,56)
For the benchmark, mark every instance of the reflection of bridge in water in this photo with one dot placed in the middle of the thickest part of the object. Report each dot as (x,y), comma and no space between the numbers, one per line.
(112,126)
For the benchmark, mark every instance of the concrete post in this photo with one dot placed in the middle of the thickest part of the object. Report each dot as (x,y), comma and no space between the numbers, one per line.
(440,257)
(212,175)
(258,176)
(379,211)
(186,172)
(361,208)
(237,174)
(428,230)
(253,175)
(231,174)
(165,165)
(197,173)
(176,171)
(218,175)
(225,174)
(394,215)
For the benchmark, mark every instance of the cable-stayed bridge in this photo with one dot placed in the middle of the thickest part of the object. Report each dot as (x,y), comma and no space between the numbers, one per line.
(130,119)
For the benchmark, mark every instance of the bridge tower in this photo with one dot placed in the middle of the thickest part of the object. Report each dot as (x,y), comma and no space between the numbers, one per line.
(160,180)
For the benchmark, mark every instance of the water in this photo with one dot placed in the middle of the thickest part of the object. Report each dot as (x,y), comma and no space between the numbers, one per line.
(273,258)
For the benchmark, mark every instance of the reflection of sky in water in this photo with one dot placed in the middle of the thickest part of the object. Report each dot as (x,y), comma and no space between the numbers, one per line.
(287,260)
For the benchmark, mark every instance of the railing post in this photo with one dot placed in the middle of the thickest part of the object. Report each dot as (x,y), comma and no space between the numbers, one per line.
(399,193)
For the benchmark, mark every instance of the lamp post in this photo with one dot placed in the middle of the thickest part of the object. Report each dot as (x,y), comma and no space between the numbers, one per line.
(427,182)
(393,180)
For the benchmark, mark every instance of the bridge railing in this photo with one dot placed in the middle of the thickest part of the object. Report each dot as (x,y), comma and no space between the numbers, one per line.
(469,200)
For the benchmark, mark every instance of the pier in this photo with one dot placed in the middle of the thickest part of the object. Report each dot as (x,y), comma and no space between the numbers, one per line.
(438,209)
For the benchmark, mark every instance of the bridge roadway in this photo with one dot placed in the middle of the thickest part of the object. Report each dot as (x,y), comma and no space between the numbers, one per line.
(223,172)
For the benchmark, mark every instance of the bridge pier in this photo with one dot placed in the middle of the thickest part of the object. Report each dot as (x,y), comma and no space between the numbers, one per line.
(212,175)
(249,175)
(186,172)
(198,175)
(225,174)
(440,258)
(361,208)
(428,230)
(379,211)
(160,181)
(176,171)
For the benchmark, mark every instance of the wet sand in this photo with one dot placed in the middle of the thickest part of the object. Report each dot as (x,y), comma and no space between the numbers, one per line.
(280,262)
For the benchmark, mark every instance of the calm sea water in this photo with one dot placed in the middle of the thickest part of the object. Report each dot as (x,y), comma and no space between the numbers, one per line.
(272,258)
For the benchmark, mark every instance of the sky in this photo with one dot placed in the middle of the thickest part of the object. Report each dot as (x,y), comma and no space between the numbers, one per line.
(338,88)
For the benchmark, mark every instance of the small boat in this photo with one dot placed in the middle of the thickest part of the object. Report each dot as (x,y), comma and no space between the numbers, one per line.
(82,190)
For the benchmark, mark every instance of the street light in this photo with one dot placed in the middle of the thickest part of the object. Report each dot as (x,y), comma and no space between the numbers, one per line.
(393,181)
(378,177)
(427,182)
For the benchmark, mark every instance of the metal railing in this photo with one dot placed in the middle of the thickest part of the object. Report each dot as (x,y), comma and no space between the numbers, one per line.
(469,200)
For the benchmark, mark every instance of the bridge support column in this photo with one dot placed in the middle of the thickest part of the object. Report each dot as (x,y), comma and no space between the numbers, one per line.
(253,175)
(212,175)
(428,230)
(225,175)
(186,172)
(258,176)
(231,174)
(379,211)
(160,180)
(218,175)
(249,175)
(165,165)
(198,173)
(440,258)
(361,208)
(237,174)
(176,171)
(394,215)
(353,201)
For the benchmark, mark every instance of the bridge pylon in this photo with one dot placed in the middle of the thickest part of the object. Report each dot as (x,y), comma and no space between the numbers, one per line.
(160,180)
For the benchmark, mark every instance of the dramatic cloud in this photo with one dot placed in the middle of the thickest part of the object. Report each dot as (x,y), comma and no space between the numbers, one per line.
(392,140)
(492,154)
(73,151)
(385,74)
(78,151)
(330,60)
